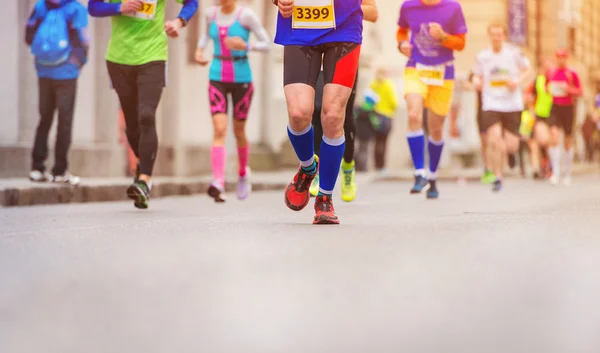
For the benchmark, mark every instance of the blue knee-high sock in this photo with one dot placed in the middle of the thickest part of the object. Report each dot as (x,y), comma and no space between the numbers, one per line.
(416,143)
(435,153)
(332,152)
(303,143)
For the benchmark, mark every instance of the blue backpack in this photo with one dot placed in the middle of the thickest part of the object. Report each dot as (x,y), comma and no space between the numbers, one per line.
(51,45)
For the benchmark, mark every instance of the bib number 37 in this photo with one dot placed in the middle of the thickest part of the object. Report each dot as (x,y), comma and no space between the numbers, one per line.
(313,14)
(147,12)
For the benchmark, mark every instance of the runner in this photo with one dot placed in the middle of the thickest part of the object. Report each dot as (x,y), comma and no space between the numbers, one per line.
(348,171)
(500,71)
(542,101)
(229,27)
(438,29)
(315,32)
(136,61)
(564,85)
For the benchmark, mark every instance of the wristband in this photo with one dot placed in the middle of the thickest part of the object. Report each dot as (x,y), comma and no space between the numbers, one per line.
(183,22)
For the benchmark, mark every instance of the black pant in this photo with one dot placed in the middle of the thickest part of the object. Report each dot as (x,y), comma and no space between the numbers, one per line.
(139,89)
(349,124)
(54,95)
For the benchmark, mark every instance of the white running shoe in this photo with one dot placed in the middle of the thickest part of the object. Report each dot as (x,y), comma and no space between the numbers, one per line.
(67,178)
(39,177)
(244,186)
(554,180)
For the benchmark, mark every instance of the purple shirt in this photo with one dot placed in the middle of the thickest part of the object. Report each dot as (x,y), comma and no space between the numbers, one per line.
(427,50)
(598,100)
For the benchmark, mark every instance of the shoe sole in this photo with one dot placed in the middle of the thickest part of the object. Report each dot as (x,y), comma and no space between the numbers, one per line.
(325,221)
(215,194)
(137,195)
(289,204)
(432,197)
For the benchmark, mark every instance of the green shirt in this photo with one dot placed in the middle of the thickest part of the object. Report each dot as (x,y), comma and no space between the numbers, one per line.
(137,41)
(543,103)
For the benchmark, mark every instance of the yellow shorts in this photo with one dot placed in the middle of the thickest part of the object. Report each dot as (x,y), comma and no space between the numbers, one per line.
(438,99)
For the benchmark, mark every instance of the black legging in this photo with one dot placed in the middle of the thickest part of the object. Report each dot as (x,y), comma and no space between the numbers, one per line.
(139,89)
(349,125)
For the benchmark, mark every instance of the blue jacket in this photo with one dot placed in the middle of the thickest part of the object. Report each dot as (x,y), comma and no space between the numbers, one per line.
(76,15)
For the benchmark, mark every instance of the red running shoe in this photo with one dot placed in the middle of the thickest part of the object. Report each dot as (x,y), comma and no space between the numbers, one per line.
(324,211)
(297,192)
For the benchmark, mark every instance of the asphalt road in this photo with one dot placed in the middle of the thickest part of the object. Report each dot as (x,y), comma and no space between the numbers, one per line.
(517,272)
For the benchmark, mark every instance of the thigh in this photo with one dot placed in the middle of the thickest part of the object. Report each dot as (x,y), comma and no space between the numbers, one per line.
(413,84)
(301,65)
(439,98)
(47,103)
(151,79)
(122,79)
(217,97)
(241,96)
(340,63)
(568,118)
(489,119)
(511,122)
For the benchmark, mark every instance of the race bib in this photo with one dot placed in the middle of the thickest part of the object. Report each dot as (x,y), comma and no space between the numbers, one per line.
(432,75)
(313,14)
(148,11)
(556,89)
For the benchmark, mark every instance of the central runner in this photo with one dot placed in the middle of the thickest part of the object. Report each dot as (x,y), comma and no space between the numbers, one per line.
(438,29)
(315,33)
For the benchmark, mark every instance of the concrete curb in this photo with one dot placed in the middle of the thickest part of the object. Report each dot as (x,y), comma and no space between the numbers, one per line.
(60,194)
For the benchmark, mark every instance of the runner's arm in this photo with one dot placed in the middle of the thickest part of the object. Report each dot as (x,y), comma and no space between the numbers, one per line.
(369,9)
(205,38)
(188,10)
(263,42)
(32,26)
(455,41)
(402,34)
(575,89)
(526,69)
(99,8)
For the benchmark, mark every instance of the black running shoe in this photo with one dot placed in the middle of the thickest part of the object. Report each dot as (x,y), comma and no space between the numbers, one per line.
(420,183)
(432,191)
(139,192)
(497,186)
(216,193)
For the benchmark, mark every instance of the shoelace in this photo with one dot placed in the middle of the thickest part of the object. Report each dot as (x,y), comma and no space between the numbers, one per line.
(303,183)
(325,205)
(348,178)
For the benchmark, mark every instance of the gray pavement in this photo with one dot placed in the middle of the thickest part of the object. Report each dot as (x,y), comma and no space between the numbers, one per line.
(472,272)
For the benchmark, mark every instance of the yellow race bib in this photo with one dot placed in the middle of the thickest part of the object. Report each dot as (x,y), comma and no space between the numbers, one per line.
(498,83)
(313,14)
(148,11)
(432,75)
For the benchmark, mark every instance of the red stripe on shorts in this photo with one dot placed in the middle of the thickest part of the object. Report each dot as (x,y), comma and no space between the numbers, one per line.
(346,67)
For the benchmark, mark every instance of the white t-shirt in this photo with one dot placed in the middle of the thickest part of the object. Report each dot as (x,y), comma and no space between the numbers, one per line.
(496,69)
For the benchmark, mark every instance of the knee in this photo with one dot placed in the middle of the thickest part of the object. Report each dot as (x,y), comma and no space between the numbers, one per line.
(220,131)
(332,121)
(300,117)
(147,119)
(239,132)
(414,118)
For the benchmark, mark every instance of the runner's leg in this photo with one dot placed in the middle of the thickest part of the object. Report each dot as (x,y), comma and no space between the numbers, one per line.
(348,166)
(569,118)
(151,80)
(415,92)
(554,149)
(301,71)
(218,92)
(242,99)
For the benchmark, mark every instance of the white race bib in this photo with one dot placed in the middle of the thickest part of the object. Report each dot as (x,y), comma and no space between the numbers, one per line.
(148,11)
(555,88)
(313,14)
(432,75)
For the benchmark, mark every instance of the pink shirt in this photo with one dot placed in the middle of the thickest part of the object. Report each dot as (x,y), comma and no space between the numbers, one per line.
(561,96)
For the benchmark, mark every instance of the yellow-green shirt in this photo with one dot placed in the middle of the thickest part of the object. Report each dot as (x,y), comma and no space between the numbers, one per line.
(388,98)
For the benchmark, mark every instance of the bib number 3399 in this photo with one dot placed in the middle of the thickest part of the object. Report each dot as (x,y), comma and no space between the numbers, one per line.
(313,14)
(147,12)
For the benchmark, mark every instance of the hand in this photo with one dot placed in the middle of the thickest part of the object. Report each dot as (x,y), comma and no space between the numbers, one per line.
(199,57)
(173,27)
(405,48)
(477,84)
(512,85)
(235,43)
(436,31)
(131,6)
(286,8)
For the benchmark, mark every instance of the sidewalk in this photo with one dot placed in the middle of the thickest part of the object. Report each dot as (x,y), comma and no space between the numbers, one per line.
(22,192)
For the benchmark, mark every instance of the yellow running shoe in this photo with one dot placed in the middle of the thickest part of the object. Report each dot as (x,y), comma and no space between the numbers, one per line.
(349,182)
(314,186)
